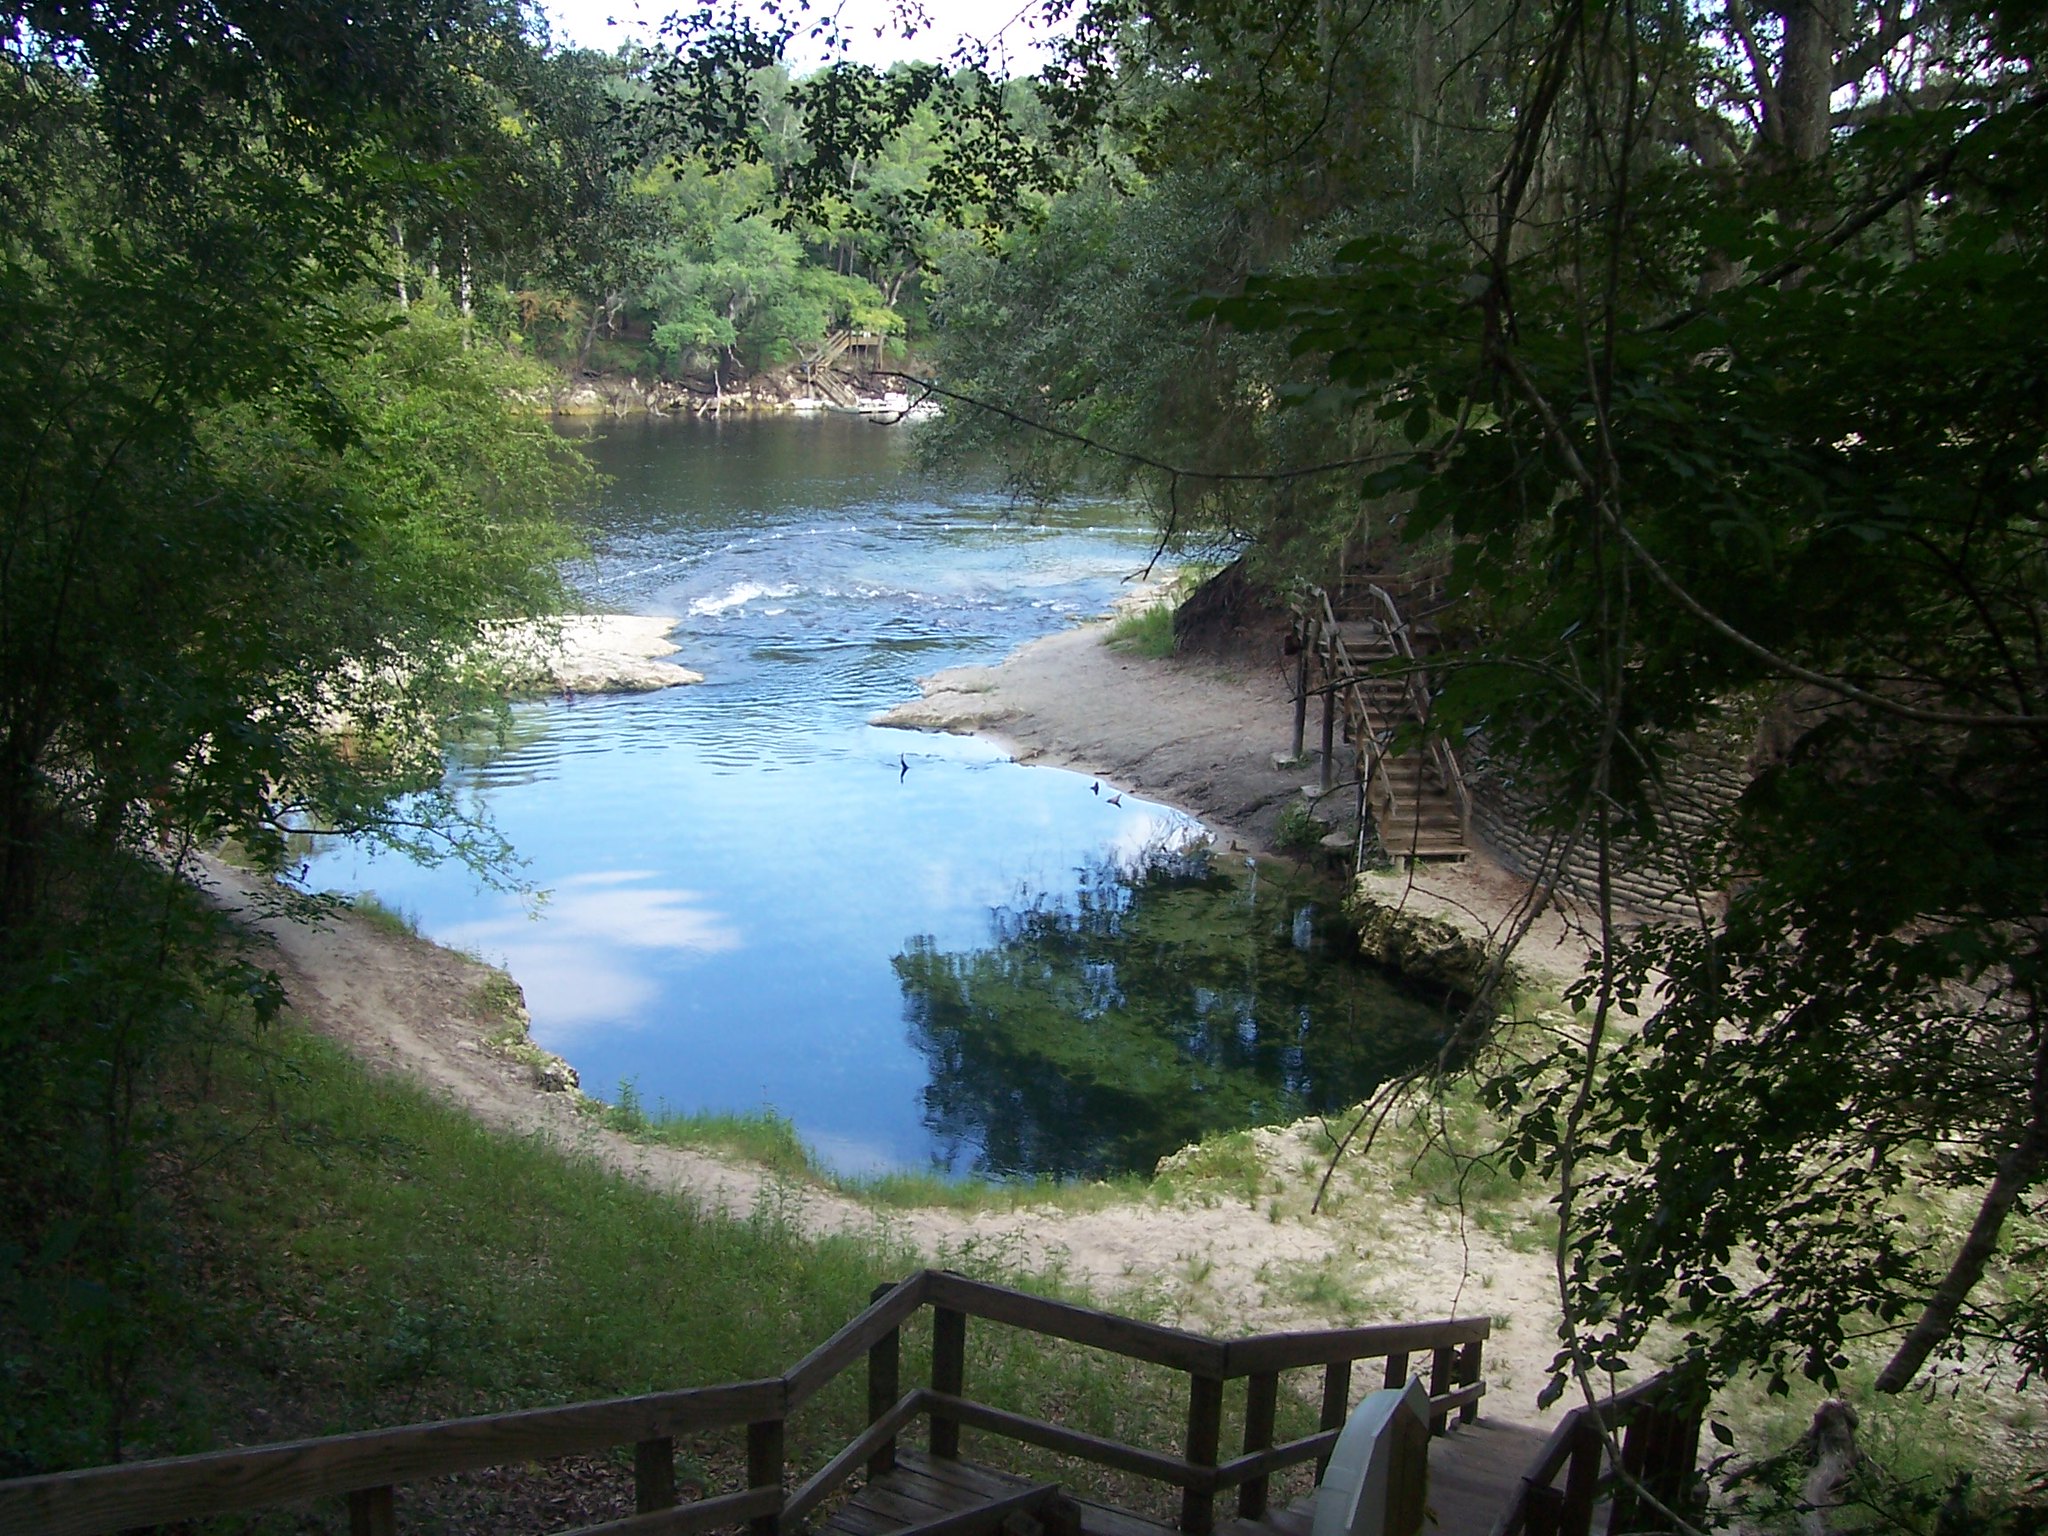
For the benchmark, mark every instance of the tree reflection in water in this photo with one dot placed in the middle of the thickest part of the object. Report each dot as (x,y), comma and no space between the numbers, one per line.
(1170,999)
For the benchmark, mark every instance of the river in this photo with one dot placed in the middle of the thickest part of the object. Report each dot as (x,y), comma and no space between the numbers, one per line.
(924,956)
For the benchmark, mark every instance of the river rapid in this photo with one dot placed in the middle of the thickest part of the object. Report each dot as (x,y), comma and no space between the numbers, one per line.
(924,956)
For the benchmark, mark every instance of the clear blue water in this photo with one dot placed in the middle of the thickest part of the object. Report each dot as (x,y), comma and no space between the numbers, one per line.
(752,898)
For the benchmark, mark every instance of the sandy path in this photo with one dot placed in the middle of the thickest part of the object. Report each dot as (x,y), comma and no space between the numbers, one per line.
(1195,734)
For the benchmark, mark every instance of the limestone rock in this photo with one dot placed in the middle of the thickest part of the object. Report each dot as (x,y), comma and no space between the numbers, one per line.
(592,653)
(1425,949)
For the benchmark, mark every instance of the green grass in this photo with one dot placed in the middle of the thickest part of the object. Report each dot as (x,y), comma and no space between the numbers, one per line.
(346,1251)
(373,910)
(1146,632)
(1298,831)
(767,1138)
(761,1136)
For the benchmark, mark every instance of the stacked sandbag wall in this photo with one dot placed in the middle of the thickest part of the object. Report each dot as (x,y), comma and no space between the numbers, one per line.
(1701,782)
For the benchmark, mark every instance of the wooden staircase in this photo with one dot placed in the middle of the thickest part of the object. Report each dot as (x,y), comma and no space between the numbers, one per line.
(1633,1455)
(821,369)
(875,1485)
(1366,666)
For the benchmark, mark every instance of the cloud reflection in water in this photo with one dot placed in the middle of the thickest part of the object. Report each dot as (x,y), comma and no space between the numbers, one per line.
(575,956)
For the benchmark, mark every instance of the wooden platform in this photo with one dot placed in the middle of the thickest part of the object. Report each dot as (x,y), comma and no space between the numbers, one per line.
(1473,1471)
(926,1488)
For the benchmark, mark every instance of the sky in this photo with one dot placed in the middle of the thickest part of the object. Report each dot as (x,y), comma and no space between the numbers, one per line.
(1004,24)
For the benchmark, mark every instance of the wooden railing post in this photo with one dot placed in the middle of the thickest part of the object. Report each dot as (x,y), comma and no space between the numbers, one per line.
(764,1469)
(1659,1452)
(1637,1448)
(1468,1375)
(1397,1372)
(1261,1400)
(885,1366)
(372,1512)
(1582,1480)
(949,1375)
(654,1475)
(1300,688)
(1541,1508)
(1443,1364)
(1205,1434)
(1329,715)
(1336,1405)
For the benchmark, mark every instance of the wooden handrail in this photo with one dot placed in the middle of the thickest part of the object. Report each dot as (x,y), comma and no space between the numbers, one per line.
(1580,1447)
(1080,1325)
(827,1478)
(1242,1469)
(98,1499)
(727,1509)
(883,1315)
(366,1466)
(1104,1452)
(1290,1351)
(1321,635)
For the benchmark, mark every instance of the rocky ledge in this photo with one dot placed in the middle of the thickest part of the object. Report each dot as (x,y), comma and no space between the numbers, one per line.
(591,653)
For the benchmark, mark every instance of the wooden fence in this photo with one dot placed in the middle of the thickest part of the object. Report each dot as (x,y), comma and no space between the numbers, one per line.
(367,1468)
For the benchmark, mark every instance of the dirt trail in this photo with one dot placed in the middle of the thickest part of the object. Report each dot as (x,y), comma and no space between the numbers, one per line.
(1192,733)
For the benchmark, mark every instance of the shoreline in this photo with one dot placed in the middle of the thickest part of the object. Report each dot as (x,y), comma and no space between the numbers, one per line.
(1194,733)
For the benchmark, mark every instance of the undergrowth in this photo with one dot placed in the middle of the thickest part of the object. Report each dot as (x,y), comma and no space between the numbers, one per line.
(1146,632)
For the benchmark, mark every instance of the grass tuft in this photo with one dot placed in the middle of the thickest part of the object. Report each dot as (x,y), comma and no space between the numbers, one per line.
(384,917)
(1147,632)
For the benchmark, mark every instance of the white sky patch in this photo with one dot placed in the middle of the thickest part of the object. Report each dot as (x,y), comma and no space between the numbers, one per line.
(569,991)
(560,954)
(1015,32)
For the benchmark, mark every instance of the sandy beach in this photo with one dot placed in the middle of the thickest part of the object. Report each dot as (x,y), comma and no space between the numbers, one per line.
(1226,1256)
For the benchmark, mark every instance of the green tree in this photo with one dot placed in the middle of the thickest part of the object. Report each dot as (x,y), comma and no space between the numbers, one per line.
(1735,426)
(251,519)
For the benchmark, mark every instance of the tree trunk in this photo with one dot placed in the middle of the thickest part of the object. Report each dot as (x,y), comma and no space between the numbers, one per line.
(2019,1170)
(590,334)
(1806,78)
(462,288)
(1833,1437)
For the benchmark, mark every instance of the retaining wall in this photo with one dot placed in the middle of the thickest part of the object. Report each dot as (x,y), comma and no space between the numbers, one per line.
(1701,783)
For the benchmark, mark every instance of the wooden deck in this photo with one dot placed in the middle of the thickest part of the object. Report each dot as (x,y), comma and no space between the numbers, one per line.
(1473,1472)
